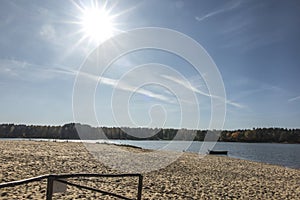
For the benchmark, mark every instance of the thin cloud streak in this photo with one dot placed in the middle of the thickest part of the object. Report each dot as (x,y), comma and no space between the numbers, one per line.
(23,70)
(216,12)
(185,84)
(294,99)
(234,104)
(125,86)
(188,86)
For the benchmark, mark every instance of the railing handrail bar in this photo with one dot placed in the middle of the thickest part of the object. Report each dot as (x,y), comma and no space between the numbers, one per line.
(92,175)
(23,181)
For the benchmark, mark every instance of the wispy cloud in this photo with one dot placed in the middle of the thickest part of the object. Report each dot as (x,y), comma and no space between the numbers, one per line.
(27,71)
(249,89)
(247,42)
(240,29)
(126,86)
(259,88)
(297,98)
(13,69)
(234,104)
(228,7)
(48,32)
(188,86)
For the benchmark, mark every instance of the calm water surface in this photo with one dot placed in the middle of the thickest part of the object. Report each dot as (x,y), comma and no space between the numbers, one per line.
(287,155)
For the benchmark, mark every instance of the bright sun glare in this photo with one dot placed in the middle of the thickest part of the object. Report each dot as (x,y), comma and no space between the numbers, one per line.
(97,24)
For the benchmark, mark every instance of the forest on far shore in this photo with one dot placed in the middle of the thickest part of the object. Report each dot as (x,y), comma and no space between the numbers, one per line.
(79,131)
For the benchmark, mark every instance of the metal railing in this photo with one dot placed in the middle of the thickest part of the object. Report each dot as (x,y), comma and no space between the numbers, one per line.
(60,178)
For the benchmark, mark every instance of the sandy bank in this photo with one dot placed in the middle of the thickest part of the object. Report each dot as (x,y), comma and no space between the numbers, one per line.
(189,177)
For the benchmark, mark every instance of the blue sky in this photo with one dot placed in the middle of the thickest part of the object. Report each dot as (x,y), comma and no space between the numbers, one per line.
(255,45)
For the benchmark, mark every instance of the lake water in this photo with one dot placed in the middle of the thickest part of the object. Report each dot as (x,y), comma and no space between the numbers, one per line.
(287,155)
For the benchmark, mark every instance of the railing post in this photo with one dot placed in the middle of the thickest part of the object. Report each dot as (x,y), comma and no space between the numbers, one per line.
(49,187)
(140,187)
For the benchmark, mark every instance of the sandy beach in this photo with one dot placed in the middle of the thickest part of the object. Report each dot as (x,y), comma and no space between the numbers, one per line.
(189,177)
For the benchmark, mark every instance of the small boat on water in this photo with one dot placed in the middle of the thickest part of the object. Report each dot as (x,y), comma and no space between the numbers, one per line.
(217,152)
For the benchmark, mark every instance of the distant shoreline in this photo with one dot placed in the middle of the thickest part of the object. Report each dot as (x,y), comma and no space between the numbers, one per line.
(79,131)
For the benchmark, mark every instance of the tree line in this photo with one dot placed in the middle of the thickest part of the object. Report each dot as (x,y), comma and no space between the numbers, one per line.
(79,131)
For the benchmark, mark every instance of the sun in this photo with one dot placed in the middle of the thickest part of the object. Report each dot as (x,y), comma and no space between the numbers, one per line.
(96,23)
(96,20)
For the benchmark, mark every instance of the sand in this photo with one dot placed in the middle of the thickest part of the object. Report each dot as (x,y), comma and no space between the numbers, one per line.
(189,177)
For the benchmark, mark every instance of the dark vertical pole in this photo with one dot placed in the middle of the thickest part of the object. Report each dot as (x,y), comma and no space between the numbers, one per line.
(140,187)
(49,188)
